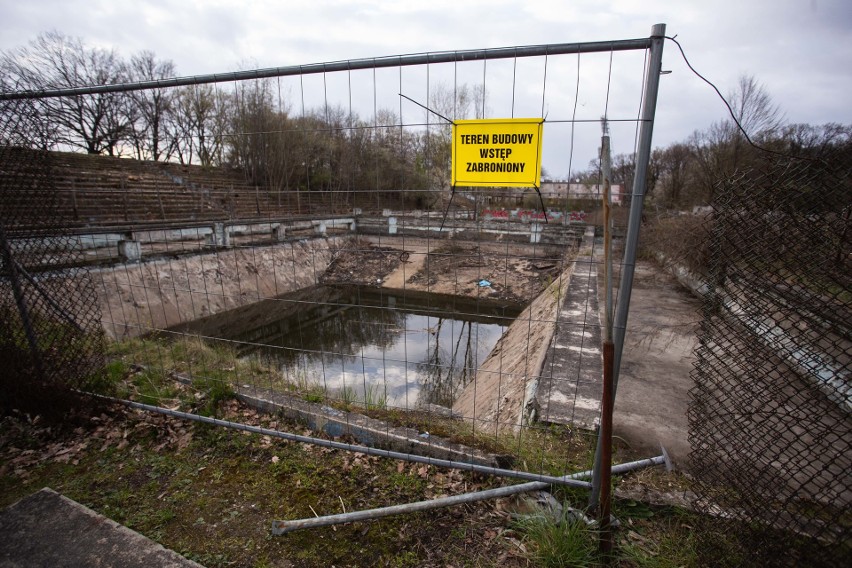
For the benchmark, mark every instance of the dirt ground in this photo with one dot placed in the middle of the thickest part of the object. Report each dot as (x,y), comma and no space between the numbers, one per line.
(514,272)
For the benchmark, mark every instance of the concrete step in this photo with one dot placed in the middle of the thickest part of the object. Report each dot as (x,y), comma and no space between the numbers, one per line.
(48,529)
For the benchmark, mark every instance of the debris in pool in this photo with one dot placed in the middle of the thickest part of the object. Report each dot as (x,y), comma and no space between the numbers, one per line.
(484,283)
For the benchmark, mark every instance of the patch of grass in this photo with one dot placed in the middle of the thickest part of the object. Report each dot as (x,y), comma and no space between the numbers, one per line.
(559,545)
(214,498)
(313,397)
(662,538)
(346,397)
(152,387)
(630,509)
(148,370)
(375,397)
(214,391)
(552,449)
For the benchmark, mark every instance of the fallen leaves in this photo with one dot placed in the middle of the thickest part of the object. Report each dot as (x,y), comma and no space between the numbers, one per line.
(102,432)
(305,470)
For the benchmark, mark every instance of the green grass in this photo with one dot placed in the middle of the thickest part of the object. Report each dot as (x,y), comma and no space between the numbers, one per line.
(211,497)
(214,498)
(648,537)
(147,370)
(191,373)
(570,543)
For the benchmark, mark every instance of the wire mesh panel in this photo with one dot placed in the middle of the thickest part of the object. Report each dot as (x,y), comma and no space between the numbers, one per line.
(291,237)
(51,340)
(770,421)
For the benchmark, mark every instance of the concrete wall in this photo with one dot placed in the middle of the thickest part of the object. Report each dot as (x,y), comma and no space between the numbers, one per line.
(554,233)
(138,298)
(507,379)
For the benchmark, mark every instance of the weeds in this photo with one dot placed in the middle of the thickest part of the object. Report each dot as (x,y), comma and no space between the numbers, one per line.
(375,397)
(558,545)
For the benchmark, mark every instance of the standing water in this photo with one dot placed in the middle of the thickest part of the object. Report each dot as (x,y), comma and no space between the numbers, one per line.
(400,349)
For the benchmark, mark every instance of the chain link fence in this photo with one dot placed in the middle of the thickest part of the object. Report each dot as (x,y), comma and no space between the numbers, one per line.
(301,247)
(51,341)
(770,423)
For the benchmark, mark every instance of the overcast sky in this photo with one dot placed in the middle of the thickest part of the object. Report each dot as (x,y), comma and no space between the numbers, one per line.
(800,50)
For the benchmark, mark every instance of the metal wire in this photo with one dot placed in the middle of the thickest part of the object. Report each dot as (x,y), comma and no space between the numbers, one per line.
(770,421)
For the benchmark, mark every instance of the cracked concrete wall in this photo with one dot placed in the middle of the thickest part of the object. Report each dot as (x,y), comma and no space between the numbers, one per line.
(139,298)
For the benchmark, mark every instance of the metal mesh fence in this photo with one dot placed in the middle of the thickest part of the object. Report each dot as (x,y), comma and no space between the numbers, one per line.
(51,340)
(294,242)
(770,423)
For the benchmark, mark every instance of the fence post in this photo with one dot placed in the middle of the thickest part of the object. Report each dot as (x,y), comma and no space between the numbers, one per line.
(607,400)
(643,155)
(20,301)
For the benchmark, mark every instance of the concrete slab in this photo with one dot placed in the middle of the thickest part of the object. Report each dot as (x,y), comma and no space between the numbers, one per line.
(48,529)
(653,389)
(654,383)
(367,431)
(570,384)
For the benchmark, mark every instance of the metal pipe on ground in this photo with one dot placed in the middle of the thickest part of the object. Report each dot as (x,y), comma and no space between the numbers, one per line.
(465,466)
(283,527)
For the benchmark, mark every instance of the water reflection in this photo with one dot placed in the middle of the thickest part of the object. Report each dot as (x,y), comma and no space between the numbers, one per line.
(369,345)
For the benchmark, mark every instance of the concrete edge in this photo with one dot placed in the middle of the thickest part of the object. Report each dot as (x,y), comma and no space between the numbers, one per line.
(530,411)
(116,543)
(368,431)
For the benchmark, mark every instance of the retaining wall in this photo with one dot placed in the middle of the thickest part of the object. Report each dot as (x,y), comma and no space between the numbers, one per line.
(137,298)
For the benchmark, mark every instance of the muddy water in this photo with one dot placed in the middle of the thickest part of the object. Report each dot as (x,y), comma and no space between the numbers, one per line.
(366,344)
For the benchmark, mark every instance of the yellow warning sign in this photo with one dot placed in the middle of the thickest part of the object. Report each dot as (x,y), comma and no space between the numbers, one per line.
(497,152)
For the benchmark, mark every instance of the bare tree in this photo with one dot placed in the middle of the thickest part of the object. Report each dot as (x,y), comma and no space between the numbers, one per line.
(96,123)
(754,109)
(199,113)
(150,133)
(722,149)
(672,165)
(757,115)
(457,102)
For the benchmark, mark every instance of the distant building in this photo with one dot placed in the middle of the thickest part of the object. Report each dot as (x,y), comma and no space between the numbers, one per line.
(563,189)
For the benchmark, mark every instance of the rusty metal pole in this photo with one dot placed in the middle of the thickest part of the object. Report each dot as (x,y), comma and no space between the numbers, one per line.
(607,399)
(606,450)
(643,153)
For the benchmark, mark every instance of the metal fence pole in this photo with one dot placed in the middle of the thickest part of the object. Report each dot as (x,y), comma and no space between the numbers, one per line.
(607,400)
(643,155)
(20,301)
